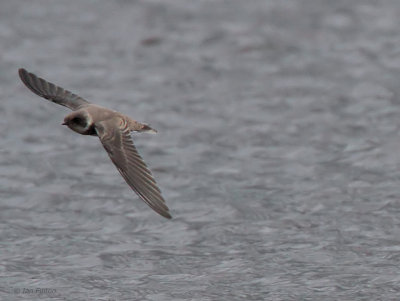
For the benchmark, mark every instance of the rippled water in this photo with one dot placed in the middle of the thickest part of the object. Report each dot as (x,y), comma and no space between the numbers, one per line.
(278,151)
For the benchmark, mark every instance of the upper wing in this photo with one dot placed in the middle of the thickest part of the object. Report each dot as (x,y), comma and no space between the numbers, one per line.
(50,91)
(115,136)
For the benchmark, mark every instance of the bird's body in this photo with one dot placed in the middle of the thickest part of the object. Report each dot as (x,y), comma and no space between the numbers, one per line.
(113,129)
(83,120)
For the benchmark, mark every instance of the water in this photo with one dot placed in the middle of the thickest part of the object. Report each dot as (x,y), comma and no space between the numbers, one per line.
(277,151)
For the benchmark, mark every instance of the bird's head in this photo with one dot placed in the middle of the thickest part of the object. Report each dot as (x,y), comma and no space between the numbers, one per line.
(78,122)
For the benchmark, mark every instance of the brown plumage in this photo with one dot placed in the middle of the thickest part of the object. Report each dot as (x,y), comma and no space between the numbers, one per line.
(113,129)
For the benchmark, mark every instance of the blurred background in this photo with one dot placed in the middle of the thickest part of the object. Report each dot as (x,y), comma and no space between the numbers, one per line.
(277,152)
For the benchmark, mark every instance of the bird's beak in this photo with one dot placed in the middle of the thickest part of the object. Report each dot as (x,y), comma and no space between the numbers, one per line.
(64,123)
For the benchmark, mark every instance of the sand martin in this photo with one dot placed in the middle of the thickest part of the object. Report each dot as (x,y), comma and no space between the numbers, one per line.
(114,131)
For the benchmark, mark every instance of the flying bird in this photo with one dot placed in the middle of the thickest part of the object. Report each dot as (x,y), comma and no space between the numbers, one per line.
(114,131)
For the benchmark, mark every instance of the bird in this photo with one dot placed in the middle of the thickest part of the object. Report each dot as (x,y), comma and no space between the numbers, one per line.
(114,131)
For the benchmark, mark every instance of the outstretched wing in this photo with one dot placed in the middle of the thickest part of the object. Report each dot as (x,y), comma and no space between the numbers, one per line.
(115,136)
(50,91)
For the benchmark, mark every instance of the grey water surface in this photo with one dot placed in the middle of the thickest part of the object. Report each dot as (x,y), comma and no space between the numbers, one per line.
(278,150)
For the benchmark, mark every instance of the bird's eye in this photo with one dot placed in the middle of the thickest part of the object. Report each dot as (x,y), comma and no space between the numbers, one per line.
(79,121)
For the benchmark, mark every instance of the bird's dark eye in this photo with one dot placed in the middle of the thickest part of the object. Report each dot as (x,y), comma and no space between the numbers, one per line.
(79,121)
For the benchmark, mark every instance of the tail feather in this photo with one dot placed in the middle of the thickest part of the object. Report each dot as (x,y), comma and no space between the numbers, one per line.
(146,128)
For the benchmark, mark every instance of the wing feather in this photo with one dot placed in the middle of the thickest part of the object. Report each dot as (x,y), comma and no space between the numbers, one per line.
(51,91)
(116,139)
